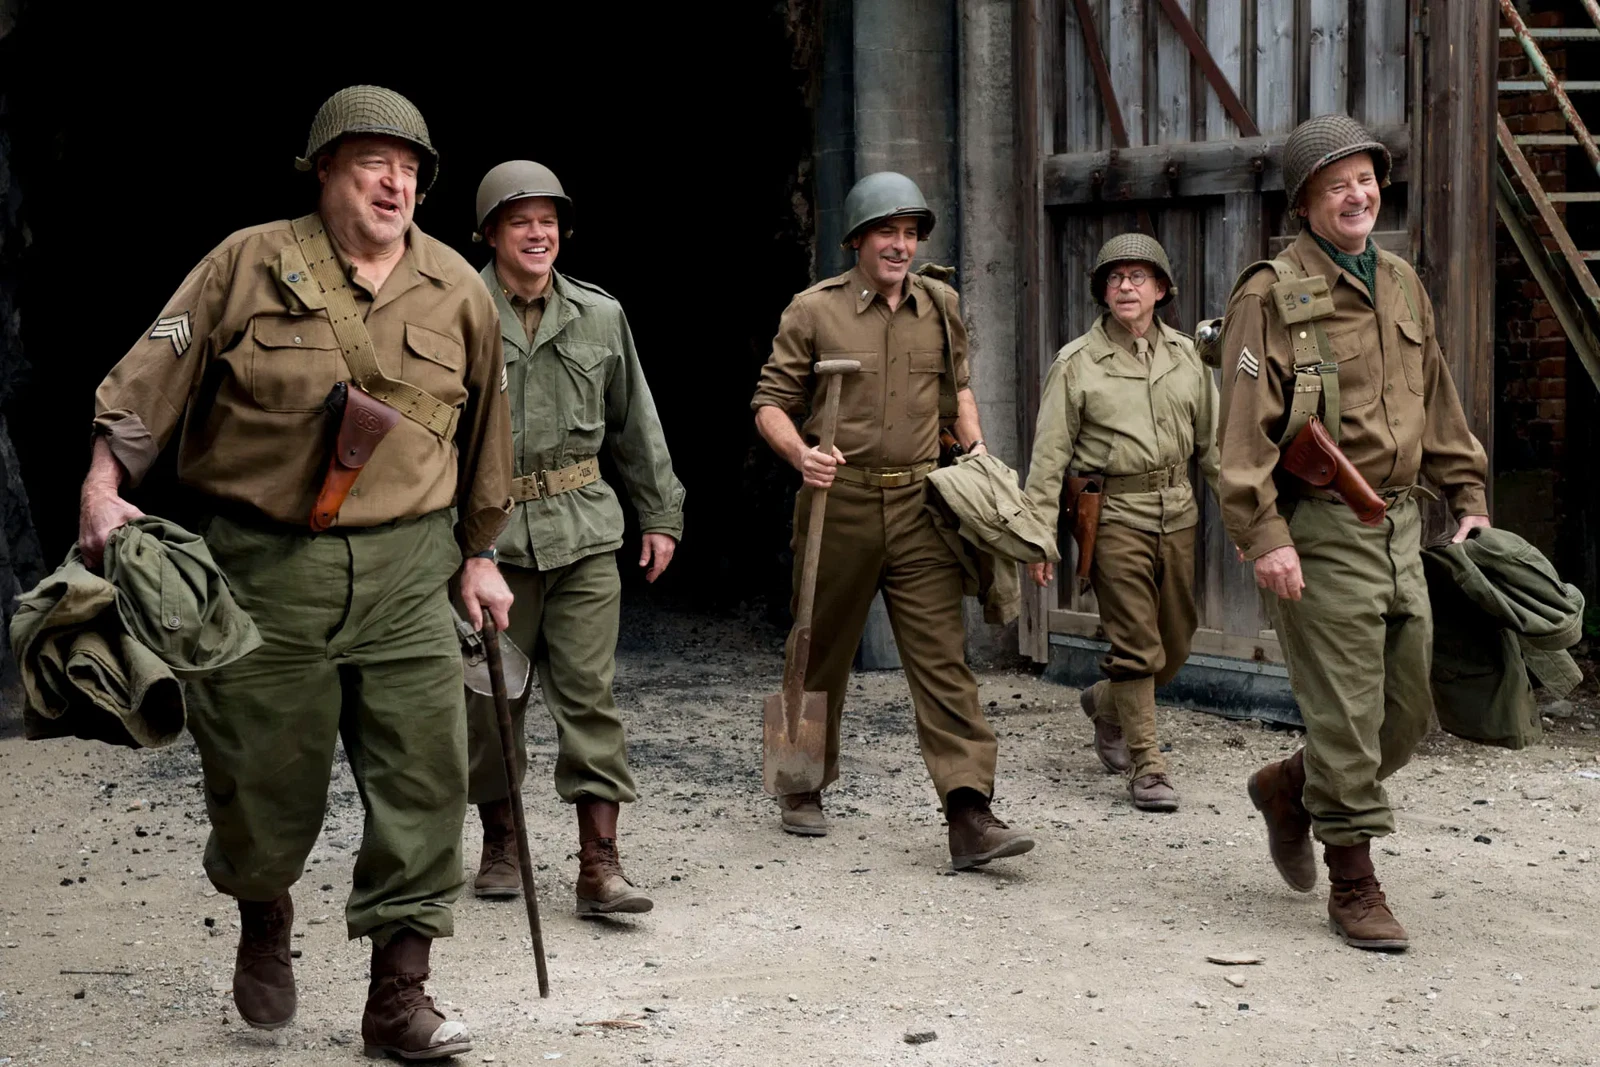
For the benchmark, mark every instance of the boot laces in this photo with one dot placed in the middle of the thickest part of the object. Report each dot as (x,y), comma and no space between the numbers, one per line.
(600,855)
(1369,894)
(984,819)
(262,936)
(410,995)
(801,800)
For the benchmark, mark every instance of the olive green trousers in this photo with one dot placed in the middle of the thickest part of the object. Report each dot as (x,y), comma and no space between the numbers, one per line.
(885,539)
(357,645)
(1359,648)
(566,620)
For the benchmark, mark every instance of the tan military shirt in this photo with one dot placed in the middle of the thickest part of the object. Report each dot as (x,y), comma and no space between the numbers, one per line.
(1400,417)
(529,312)
(1108,408)
(240,366)
(888,413)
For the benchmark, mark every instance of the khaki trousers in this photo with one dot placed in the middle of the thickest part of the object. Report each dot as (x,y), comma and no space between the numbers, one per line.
(884,539)
(1359,648)
(358,645)
(566,620)
(1144,583)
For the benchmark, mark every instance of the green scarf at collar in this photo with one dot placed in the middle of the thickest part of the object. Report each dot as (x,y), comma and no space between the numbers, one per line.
(1364,266)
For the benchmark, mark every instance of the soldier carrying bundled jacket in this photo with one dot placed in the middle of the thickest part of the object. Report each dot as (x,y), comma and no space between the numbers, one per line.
(1339,404)
(337,537)
(1125,408)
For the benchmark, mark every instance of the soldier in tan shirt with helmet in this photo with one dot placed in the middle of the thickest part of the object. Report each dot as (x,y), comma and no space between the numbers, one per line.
(1131,402)
(1342,332)
(358,642)
(906,331)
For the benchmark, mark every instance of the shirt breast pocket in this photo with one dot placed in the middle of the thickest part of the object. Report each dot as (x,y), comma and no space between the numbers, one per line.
(433,362)
(294,362)
(922,390)
(1411,342)
(581,369)
(859,395)
(1353,352)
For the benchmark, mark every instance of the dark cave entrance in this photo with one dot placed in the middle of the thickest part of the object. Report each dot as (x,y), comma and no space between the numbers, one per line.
(144,134)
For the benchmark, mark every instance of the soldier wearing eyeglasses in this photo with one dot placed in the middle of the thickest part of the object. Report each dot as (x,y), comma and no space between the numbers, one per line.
(1130,403)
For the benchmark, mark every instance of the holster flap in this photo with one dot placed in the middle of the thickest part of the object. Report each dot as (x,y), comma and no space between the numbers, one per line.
(1311,455)
(367,421)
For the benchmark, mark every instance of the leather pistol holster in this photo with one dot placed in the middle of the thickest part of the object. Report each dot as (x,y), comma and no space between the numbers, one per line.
(1082,510)
(1314,458)
(364,421)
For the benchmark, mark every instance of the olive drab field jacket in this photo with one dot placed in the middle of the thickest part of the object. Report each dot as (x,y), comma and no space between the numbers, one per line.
(575,388)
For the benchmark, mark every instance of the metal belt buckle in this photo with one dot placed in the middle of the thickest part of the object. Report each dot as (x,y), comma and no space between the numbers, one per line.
(895,479)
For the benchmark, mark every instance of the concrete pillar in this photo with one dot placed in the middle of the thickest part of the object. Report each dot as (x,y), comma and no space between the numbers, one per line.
(834,158)
(905,120)
(991,217)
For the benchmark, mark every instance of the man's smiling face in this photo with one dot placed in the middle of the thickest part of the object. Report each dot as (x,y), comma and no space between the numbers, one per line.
(369,189)
(1341,202)
(526,238)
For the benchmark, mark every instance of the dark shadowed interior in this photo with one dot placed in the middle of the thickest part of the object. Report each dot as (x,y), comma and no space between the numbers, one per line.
(145,134)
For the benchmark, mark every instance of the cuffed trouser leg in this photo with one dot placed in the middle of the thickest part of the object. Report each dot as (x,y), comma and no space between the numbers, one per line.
(358,641)
(1358,646)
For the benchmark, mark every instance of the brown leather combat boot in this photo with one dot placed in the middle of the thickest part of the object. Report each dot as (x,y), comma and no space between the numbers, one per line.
(1357,909)
(1153,792)
(400,1019)
(1276,791)
(801,813)
(602,887)
(976,836)
(1109,744)
(263,978)
(499,878)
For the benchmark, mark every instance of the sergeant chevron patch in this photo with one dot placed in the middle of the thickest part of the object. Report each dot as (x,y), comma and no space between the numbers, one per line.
(174,328)
(1248,364)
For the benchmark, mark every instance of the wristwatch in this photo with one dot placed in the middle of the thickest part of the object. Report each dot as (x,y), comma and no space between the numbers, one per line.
(489,554)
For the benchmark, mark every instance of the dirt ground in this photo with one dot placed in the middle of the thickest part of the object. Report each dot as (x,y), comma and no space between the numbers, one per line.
(766,949)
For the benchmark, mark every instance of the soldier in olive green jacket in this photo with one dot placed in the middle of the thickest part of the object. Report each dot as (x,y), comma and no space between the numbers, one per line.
(575,384)
(1131,401)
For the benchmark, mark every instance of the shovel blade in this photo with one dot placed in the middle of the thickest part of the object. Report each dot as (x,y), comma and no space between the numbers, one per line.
(795,761)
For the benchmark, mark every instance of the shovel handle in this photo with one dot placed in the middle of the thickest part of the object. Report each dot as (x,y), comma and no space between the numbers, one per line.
(519,822)
(832,372)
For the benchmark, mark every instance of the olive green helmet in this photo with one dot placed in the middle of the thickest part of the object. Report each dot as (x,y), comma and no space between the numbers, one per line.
(1326,139)
(371,109)
(520,179)
(884,195)
(1131,248)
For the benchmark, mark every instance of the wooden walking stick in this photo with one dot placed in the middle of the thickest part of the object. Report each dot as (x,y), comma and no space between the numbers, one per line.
(519,822)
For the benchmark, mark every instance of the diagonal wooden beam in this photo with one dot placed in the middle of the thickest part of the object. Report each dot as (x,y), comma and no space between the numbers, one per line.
(1208,66)
(1548,275)
(1102,74)
(1547,212)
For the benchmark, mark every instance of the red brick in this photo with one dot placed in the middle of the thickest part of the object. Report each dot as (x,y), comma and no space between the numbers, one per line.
(1548,388)
(1554,410)
(1542,310)
(1550,327)
(1553,367)
(1546,351)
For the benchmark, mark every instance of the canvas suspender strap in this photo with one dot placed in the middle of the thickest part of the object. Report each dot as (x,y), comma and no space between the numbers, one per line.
(948,408)
(356,343)
(1302,302)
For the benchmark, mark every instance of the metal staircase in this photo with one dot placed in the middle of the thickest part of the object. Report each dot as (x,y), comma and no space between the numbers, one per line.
(1573,292)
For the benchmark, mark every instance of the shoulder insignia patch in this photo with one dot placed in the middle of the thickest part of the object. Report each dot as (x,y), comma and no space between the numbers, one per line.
(174,328)
(1248,364)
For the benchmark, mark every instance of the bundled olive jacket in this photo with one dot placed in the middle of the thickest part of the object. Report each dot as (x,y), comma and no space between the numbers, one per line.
(103,657)
(1500,610)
